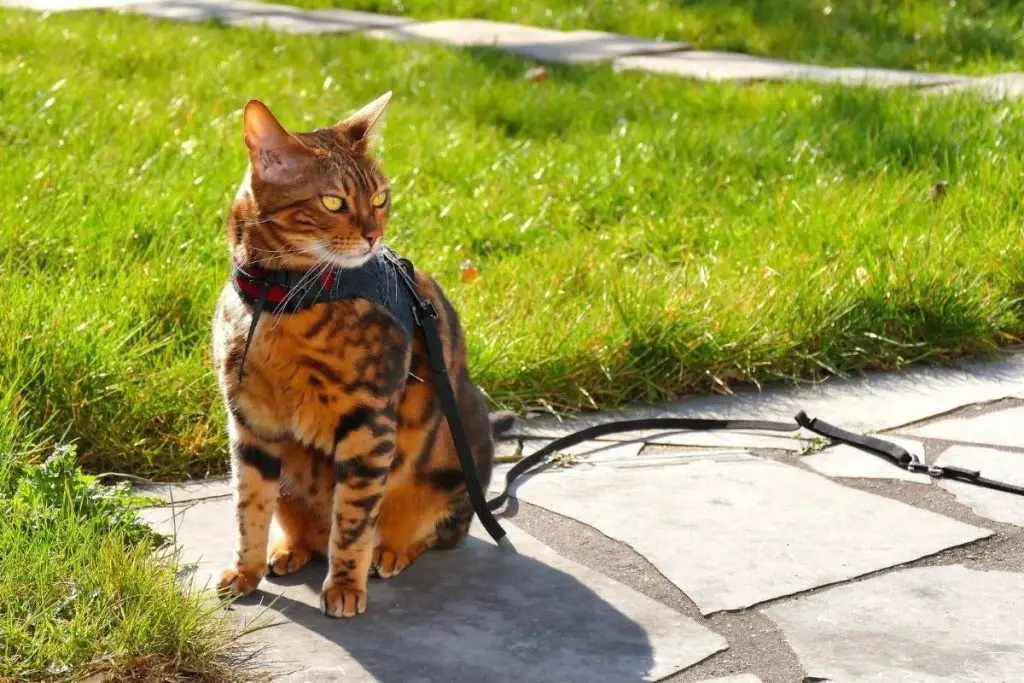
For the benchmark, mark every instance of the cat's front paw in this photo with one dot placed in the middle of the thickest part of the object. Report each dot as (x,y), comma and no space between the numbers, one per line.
(337,600)
(235,583)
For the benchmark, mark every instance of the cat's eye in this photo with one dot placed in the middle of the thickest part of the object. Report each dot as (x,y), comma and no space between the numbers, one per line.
(333,203)
(379,200)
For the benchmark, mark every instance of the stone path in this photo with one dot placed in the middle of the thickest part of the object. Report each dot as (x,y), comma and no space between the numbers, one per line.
(624,52)
(644,561)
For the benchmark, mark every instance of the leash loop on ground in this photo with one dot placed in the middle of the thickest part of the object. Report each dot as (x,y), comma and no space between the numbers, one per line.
(619,426)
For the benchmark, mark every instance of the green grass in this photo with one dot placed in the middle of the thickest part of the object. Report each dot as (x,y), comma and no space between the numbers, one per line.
(638,237)
(973,36)
(83,597)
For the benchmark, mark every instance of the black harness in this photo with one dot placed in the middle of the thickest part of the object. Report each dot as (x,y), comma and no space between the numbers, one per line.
(389,281)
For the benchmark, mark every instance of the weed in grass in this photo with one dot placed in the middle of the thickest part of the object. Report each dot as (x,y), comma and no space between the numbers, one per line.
(81,593)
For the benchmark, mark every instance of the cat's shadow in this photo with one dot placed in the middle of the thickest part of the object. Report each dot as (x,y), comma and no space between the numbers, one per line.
(476,614)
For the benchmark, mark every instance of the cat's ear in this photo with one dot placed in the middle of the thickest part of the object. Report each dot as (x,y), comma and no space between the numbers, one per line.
(276,155)
(363,127)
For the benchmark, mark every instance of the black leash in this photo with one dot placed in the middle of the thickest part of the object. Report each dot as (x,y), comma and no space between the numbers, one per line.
(892,453)
(424,316)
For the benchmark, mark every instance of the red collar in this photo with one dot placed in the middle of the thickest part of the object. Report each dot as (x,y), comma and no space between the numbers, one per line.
(252,278)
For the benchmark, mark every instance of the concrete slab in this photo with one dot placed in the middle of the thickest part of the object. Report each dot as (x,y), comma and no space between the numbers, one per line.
(470,615)
(999,428)
(926,625)
(64,5)
(742,678)
(734,532)
(529,41)
(993,464)
(996,87)
(847,461)
(729,66)
(875,402)
(876,78)
(712,66)
(282,18)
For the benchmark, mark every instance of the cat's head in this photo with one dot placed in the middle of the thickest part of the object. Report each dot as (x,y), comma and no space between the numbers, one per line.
(310,199)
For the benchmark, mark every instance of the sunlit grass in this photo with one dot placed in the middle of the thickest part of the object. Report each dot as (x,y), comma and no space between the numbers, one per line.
(973,36)
(637,236)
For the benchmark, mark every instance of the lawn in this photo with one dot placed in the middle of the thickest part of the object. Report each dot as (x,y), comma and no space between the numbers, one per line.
(973,36)
(637,237)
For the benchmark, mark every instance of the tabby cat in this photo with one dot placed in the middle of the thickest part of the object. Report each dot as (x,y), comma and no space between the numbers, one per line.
(333,430)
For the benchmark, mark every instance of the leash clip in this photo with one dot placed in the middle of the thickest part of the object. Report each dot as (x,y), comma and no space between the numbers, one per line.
(427,306)
(953,472)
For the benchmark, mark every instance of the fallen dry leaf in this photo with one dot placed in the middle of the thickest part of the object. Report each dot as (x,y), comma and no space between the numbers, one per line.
(538,74)
(469,271)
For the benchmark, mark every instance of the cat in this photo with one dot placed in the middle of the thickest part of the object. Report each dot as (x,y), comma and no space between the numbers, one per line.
(333,430)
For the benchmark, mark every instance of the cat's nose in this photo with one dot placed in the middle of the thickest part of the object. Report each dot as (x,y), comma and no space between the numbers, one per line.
(371,230)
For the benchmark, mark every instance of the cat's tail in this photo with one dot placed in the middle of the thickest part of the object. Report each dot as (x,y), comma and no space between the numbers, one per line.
(501,422)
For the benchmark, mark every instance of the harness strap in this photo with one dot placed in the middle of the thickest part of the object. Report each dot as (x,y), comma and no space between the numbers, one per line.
(425,316)
(257,311)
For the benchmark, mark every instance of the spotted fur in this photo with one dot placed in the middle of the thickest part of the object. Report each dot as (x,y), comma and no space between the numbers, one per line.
(332,431)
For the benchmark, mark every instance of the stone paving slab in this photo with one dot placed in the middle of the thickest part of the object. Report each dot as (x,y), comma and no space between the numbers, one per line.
(471,615)
(737,439)
(875,402)
(847,461)
(529,41)
(999,428)
(994,464)
(592,451)
(654,461)
(923,625)
(187,491)
(731,533)
(796,443)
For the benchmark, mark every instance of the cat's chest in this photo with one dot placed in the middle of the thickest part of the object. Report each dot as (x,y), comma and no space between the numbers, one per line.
(305,369)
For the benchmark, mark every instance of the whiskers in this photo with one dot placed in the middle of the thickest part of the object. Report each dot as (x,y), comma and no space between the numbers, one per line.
(304,283)
(269,257)
(254,222)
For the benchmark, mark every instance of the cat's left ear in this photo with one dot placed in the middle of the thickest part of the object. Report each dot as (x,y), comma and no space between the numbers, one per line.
(363,127)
